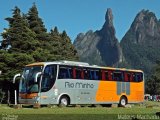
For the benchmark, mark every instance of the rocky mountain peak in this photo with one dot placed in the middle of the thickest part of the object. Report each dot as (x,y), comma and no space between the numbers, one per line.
(100,47)
(108,27)
(145,23)
(145,18)
(141,15)
(109,17)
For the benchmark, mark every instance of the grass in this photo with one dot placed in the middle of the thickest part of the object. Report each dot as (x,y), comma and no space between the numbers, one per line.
(80,113)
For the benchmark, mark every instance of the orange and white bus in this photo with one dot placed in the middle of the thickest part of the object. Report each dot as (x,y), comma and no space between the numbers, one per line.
(68,83)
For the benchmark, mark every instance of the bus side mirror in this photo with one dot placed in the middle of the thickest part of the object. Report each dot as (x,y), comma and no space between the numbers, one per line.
(37,75)
(17,75)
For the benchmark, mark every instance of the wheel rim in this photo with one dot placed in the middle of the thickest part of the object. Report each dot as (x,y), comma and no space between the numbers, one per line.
(64,102)
(123,102)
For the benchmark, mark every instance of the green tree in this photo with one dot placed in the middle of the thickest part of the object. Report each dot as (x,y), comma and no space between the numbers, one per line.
(68,51)
(54,32)
(22,43)
(12,63)
(153,83)
(18,35)
(36,23)
(55,44)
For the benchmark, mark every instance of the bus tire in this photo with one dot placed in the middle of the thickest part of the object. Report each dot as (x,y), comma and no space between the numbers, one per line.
(123,101)
(64,101)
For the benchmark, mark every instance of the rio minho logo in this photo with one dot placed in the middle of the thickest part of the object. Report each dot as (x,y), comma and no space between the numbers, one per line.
(78,85)
(9,117)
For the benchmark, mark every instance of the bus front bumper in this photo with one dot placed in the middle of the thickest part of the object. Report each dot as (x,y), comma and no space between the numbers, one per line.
(28,101)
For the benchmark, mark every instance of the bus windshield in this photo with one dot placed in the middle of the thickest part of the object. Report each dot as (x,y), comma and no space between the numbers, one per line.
(27,84)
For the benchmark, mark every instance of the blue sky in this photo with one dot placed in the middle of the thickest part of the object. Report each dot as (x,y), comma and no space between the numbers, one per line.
(76,16)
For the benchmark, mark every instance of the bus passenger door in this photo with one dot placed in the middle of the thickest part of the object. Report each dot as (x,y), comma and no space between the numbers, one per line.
(48,80)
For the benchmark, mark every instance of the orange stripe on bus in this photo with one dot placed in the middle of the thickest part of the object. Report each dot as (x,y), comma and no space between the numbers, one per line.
(28,96)
(44,97)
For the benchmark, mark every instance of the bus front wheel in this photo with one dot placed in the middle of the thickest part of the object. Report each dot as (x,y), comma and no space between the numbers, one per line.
(123,101)
(64,101)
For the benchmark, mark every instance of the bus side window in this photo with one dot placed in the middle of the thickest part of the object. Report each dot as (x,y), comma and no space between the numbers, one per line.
(97,75)
(78,73)
(127,77)
(135,77)
(139,77)
(110,75)
(132,77)
(117,76)
(86,74)
(106,75)
(103,75)
(91,74)
(70,72)
(82,74)
(94,74)
(74,73)
(64,73)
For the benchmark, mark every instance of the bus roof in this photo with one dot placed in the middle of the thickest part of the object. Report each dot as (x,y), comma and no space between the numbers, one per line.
(82,64)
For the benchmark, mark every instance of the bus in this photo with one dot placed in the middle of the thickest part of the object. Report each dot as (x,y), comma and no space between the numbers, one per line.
(70,83)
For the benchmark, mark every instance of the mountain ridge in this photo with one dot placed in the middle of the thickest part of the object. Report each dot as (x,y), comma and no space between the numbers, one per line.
(138,48)
(102,44)
(140,44)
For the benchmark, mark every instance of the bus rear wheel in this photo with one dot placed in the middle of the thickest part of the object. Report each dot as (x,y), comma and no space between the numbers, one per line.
(123,101)
(64,101)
